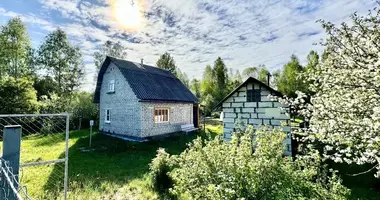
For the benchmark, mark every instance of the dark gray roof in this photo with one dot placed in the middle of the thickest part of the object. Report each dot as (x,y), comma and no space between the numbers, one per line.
(249,80)
(148,83)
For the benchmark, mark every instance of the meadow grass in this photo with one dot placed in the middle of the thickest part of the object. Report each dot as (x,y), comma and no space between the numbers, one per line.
(111,169)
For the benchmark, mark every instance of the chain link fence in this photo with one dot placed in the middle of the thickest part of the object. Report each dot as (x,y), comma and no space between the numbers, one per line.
(43,155)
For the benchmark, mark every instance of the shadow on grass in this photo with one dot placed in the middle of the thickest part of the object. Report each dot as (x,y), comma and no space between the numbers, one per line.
(112,160)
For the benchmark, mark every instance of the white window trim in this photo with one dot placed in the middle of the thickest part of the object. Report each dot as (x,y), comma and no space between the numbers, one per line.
(105,118)
(111,86)
(161,122)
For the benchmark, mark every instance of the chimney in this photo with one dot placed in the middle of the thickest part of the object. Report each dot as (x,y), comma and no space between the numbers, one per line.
(268,78)
(142,61)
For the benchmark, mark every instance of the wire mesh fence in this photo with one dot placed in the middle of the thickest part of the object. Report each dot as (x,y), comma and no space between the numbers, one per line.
(44,153)
(10,188)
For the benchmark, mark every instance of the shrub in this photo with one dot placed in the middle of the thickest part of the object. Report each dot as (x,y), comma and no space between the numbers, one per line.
(17,96)
(161,165)
(251,166)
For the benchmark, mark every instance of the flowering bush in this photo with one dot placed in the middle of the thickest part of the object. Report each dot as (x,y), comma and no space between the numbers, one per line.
(344,113)
(250,166)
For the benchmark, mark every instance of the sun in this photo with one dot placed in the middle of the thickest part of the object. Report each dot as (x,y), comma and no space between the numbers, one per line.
(127,13)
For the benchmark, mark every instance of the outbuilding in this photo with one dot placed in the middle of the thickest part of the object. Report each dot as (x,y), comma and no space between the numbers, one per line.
(250,104)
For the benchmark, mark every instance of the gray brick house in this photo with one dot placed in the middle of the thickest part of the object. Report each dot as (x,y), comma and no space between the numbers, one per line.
(249,104)
(138,101)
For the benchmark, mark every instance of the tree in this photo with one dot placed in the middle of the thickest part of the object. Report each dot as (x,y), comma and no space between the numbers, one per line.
(250,72)
(195,87)
(207,81)
(109,48)
(312,60)
(167,62)
(344,113)
(15,49)
(235,80)
(84,109)
(262,75)
(221,79)
(289,81)
(62,60)
(17,96)
(182,77)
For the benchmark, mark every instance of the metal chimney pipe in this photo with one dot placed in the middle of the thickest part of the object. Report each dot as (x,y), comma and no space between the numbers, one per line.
(268,78)
(142,61)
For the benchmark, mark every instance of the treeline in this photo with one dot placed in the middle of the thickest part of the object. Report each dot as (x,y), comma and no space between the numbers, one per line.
(41,80)
(218,80)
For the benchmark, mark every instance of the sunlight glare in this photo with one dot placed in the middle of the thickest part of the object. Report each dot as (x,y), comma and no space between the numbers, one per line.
(127,13)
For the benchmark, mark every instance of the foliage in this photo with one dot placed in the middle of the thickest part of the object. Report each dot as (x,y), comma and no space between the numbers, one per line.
(234,80)
(166,61)
(289,81)
(109,48)
(160,166)
(218,170)
(344,113)
(250,72)
(221,79)
(15,49)
(45,86)
(17,96)
(84,110)
(182,77)
(62,60)
(195,87)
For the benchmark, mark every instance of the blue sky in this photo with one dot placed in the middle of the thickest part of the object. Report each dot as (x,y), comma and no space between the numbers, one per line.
(243,32)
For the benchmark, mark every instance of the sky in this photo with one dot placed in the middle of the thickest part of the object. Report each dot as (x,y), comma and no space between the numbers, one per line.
(244,33)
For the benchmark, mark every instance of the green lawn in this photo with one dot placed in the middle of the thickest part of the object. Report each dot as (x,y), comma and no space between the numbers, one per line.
(112,169)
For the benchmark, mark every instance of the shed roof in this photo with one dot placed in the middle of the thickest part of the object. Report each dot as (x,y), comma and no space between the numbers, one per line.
(249,80)
(147,82)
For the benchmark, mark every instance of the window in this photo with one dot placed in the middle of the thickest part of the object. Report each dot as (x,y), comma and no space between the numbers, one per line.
(108,116)
(253,95)
(161,115)
(111,87)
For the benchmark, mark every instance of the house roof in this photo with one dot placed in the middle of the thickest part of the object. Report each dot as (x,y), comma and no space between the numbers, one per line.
(249,80)
(147,82)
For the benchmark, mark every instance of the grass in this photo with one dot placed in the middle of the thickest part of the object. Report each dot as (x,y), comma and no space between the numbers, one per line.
(111,169)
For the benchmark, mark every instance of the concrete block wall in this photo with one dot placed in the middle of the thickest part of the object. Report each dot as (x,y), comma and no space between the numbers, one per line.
(179,114)
(123,105)
(236,110)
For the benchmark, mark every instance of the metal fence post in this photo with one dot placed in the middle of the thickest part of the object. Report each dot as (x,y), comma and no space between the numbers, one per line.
(66,178)
(11,151)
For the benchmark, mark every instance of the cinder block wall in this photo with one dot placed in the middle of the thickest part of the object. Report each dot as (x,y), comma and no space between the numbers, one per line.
(179,114)
(267,112)
(123,104)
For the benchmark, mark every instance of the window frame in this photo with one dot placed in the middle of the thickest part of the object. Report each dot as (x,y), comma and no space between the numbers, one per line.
(111,86)
(107,118)
(254,95)
(160,118)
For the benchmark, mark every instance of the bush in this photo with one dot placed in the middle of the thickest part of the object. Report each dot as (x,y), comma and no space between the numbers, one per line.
(251,166)
(161,165)
(17,96)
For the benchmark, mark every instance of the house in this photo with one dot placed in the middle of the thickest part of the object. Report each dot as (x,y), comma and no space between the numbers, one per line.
(138,101)
(249,104)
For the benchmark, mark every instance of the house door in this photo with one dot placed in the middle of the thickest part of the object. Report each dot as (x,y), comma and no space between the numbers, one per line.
(196,115)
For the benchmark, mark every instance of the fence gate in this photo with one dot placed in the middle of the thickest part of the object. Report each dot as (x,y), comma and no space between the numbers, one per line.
(40,142)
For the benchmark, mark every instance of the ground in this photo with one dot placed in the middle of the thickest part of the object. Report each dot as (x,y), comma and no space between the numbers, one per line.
(114,169)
